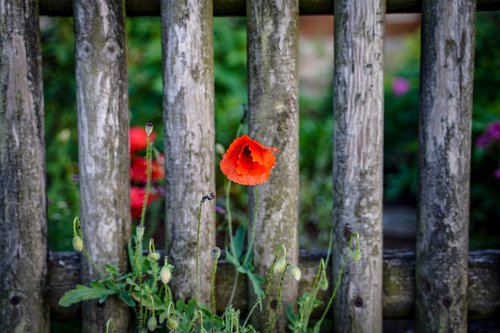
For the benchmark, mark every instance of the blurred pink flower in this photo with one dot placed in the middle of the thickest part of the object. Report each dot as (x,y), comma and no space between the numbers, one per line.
(400,86)
(491,134)
(497,174)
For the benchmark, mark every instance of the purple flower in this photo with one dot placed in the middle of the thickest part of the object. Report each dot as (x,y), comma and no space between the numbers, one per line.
(497,173)
(400,86)
(491,134)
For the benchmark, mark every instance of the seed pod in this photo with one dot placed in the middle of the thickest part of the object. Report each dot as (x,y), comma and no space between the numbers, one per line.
(215,253)
(149,128)
(323,282)
(152,323)
(77,244)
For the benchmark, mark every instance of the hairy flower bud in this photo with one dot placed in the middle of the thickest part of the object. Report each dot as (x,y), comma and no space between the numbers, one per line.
(155,256)
(165,274)
(356,255)
(279,266)
(152,323)
(295,271)
(77,244)
(139,231)
(172,323)
(323,282)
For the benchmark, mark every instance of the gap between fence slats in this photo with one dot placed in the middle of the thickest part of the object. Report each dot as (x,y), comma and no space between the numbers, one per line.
(447,73)
(103,148)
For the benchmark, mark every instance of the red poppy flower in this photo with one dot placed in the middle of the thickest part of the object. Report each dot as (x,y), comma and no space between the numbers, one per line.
(136,199)
(138,169)
(138,138)
(247,161)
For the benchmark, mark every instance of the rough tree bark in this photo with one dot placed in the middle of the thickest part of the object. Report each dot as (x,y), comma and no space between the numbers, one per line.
(444,164)
(23,222)
(357,162)
(188,97)
(102,102)
(274,117)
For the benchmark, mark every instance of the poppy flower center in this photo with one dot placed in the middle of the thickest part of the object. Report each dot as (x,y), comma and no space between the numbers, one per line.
(247,152)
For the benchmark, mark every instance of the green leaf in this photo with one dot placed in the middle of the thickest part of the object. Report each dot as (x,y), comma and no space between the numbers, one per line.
(127,298)
(82,293)
(239,240)
(256,283)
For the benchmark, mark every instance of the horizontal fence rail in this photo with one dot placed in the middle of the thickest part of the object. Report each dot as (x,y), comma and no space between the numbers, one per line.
(238,7)
(398,298)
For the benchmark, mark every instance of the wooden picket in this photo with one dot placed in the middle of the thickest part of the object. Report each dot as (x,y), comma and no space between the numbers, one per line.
(444,286)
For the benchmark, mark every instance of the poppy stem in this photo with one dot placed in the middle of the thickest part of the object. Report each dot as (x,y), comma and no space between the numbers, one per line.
(252,228)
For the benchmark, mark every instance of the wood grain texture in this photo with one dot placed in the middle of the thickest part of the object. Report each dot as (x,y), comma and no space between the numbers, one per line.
(398,293)
(358,97)
(23,220)
(188,110)
(447,68)
(102,103)
(238,7)
(274,121)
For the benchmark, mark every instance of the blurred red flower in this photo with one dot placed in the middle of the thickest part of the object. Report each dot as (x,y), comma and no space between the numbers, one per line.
(247,161)
(138,169)
(138,138)
(136,199)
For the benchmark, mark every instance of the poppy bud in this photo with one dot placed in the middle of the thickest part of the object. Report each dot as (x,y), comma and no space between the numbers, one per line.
(279,266)
(172,323)
(165,274)
(220,149)
(139,231)
(77,244)
(356,255)
(149,128)
(152,323)
(323,282)
(215,253)
(296,273)
(154,256)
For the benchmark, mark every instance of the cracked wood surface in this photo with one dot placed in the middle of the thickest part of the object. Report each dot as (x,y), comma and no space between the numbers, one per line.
(23,220)
(103,146)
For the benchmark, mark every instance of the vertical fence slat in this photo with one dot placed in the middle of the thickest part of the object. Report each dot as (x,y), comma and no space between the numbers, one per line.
(274,116)
(445,142)
(357,161)
(188,97)
(23,222)
(102,102)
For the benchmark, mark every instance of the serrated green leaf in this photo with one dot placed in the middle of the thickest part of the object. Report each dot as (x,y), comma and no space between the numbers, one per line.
(127,298)
(239,240)
(256,283)
(82,293)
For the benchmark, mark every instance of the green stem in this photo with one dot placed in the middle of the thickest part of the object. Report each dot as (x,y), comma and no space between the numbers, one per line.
(337,284)
(278,307)
(212,280)
(148,179)
(252,231)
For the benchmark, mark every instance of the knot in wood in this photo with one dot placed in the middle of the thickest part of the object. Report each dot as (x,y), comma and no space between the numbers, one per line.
(273,304)
(447,301)
(15,300)
(358,302)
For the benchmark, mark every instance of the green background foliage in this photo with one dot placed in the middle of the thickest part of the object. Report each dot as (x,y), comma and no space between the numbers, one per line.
(145,100)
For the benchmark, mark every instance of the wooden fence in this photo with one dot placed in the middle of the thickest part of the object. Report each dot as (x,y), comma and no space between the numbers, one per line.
(440,286)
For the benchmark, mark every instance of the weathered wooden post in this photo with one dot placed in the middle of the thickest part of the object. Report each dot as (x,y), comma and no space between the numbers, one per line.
(358,97)
(103,143)
(23,220)
(445,143)
(274,121)
(188,98)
